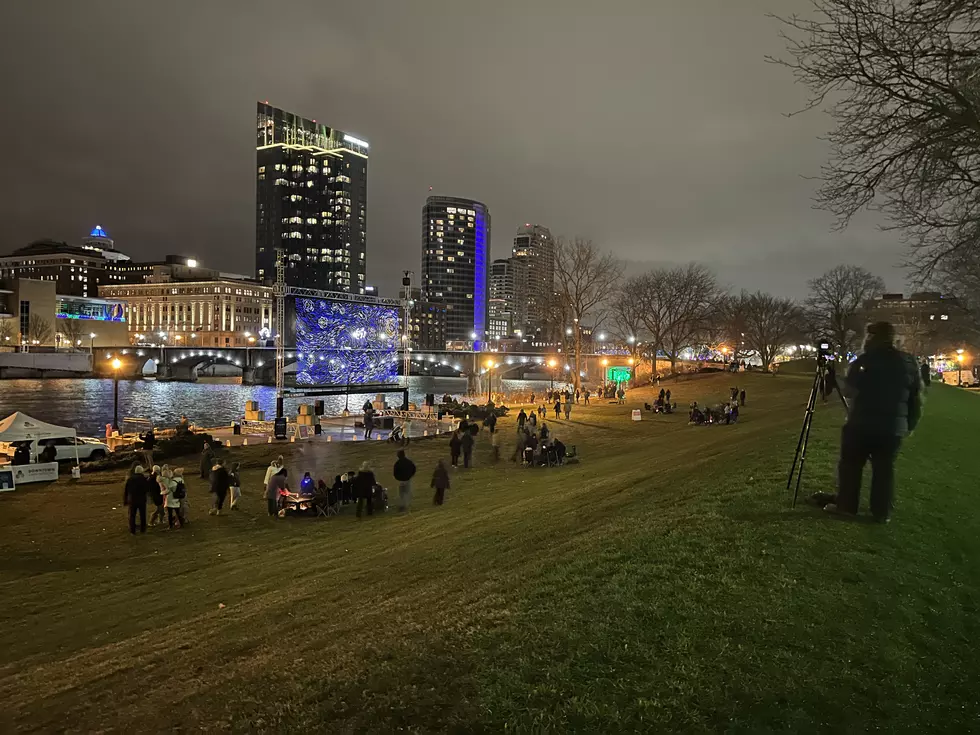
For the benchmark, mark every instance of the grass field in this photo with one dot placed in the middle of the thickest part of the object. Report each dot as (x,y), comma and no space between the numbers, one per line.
(663,584)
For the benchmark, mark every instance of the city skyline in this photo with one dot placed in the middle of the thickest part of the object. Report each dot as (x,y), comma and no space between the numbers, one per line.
(698,159)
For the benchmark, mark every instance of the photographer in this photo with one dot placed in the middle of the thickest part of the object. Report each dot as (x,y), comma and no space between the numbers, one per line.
(882,386)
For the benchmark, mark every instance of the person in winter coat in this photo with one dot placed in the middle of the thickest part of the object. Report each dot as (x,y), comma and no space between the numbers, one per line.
(519,447)
(568,409)
(467,444)
(588,394)
(181,490)
(368,423)
(521,420)
(134,498)
(271,470)
(440,481)
(557,410)
(149,442)
(220,485)
(276,486)
(404,471)
(170,500)
(492,423)
(156,495)
(207,461)
(364,489)
(236,484)
(741,397)
(455,444)
(533,421)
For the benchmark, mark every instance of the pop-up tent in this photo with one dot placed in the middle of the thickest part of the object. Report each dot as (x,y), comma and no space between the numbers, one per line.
(21,427)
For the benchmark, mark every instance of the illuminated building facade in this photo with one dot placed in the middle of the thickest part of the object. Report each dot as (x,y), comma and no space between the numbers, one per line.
(455,264)
(311,200)
(508,297)
(535,248)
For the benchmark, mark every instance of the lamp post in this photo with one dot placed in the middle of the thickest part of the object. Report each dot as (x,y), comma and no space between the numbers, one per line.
(116,364)
(552,363)
(959,370)
(489,379)
(91,343)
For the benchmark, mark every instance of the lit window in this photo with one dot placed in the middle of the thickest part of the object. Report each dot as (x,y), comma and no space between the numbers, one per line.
(944,317)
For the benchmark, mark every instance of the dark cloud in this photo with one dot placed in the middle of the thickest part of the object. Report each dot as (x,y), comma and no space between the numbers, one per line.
(655,128)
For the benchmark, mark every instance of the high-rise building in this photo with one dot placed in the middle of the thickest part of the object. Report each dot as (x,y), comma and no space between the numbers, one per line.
(311,201)
(535,248)
(508,297)
(455,250)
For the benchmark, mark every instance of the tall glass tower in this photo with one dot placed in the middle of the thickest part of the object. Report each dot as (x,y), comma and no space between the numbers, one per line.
(310,200)
(455,261)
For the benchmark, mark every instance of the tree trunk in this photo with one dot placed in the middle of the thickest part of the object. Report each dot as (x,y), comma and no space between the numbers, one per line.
(578,357)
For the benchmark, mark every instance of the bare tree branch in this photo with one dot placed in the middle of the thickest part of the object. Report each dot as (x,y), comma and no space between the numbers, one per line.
(835,301)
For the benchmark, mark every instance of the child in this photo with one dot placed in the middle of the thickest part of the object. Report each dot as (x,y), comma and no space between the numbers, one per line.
(236,485)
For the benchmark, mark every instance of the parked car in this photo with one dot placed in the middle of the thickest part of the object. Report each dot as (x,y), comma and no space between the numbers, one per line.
(88,449)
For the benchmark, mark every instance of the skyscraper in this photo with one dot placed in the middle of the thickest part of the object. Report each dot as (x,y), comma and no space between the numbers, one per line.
(535,248)
(508,296)
(455,250)
(311,200)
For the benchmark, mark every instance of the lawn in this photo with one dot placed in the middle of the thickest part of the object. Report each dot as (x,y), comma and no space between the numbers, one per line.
(663,584)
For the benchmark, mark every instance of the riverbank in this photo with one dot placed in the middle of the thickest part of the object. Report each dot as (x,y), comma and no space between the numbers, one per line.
(663,584)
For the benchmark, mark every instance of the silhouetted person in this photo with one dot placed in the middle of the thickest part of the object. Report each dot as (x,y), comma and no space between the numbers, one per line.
(883,387)
(455,445)
(134,497)
(925,374)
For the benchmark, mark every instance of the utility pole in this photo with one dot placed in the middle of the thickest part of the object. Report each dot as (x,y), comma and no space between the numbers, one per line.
(407,324)
(279,291)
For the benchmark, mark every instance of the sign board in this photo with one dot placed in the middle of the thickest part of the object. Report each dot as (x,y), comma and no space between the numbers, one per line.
(7,479)
(637,416)
(42,472)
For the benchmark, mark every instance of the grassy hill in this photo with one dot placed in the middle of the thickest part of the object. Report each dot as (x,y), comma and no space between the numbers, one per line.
(662,584)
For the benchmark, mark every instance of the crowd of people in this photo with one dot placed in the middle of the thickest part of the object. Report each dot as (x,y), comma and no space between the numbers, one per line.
(726,413)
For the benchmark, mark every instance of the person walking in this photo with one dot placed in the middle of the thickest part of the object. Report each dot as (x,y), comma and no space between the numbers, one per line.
(156,495)
(368,422)
(364,489)
(207,461)
(492,423)
(925,374)
(404,471)
(521,420)
(455,445)
(236,484)
(741,398)
(587,394)
(533,421)
(180,490)
(883,389)
(277,485)
(557,409)
(220,484)
(466,442)
(568,409)
(519,447)
(440,481)
(577,394)
(134,498)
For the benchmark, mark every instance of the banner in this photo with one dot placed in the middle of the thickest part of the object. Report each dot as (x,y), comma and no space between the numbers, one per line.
(44,472)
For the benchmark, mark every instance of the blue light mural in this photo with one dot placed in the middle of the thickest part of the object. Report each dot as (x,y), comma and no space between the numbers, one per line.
(480,278)
(342,342)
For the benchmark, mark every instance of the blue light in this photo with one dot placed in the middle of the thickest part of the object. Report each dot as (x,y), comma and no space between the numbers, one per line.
(363,335)
(98,232)
(480,278)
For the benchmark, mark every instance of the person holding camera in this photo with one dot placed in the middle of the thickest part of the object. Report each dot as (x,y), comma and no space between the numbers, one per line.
(883,390)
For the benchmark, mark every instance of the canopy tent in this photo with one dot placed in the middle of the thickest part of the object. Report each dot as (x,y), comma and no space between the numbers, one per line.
(21,427)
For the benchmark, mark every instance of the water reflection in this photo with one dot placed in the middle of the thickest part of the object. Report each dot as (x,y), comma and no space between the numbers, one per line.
(87,404)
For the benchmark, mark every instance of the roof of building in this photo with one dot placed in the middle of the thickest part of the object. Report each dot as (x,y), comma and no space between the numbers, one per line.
(97,231)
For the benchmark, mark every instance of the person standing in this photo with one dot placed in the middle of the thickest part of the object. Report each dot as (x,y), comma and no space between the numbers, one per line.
(274,488)
(492,422)
(404,471)
(156,495)
(557,409)
(741,397)
(883,388)
(568,409)
(577,394)
(368,423)
(149,442)
(220,484)
(170,500)
(440,481)
(134,498)
(207,461)
(587,394)
(466,442)
(925,374)
(667,396)
(364,489)
(454,448)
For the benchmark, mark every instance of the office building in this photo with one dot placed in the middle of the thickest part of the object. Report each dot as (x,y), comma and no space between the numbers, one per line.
(455,250)
(535,248)
(508,297)
(926,323)
(217,312)
(427,322)
(311,201)
(77,270)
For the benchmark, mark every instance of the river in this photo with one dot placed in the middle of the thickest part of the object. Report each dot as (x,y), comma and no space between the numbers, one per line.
(87,404)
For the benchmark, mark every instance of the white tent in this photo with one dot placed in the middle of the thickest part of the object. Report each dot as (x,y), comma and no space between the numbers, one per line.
(21,427)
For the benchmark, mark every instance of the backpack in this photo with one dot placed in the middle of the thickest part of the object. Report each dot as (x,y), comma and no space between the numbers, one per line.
(180,492)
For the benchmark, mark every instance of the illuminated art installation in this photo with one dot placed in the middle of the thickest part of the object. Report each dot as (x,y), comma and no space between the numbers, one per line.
(339,342)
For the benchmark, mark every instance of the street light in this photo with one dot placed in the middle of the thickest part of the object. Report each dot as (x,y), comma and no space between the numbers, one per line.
(489,379)
(91,344)
(552,363)
(116,364)
(959,372)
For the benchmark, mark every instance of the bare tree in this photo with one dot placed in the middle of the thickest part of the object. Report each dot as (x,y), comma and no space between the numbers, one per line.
(71,332)
(836,298)
(771,324)
(625,308)
(727,324)
(7,331)
(585,280)
(901,80)
(675,307)
(39,329)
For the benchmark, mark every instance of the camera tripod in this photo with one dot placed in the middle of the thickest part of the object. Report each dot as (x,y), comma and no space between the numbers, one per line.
(824,383)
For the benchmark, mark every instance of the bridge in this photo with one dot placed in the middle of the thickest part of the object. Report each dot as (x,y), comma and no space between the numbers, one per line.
(258,363)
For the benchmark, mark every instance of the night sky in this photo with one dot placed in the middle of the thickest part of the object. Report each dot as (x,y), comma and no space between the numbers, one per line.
(654,128)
